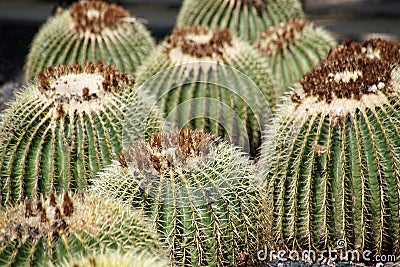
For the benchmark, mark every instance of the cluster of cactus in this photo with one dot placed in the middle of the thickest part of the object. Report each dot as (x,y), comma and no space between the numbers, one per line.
(199,78)
(198,191)
(245,18)
(332,171)
(293,48)
(330,166)
(90,31)
(118,259)
(48,232)
(65,127)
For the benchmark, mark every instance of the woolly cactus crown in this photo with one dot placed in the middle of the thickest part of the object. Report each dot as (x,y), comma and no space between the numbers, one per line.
(202,77)
(59,228)
(199,193)
(372,48)
(334,173)
(90,30)
(293,48)
(71,87)
(244,18)
(66,126)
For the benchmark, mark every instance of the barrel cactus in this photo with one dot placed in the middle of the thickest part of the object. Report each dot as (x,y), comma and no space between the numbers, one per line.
(90,30)
(245,18)
(65,127)
(50,231)
(335,170)
(118,259)
(210,80)
(293,48)
(200,194)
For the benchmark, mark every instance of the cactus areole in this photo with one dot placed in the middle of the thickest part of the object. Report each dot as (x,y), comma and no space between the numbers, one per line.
(335,173)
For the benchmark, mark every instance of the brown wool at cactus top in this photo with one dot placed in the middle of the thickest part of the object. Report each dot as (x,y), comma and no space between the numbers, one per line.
(95,16)
(372,48)
(360,76)
(275,38)
(71,82)
(215,45)
(165,151)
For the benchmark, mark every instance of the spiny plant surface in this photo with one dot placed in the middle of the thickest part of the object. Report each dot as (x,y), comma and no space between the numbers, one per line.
(244,18)
(90,30)
(118,259)
(332,172)
(199,193)
(47,232)
(228,84)
(293,48)
(65,127)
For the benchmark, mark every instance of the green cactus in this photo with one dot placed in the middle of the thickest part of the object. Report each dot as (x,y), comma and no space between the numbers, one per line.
(293,49)
(218,83)
(52,231)
(335,170)
(90,31)
(244,18)
(118,259)
(65,127)
(199,193)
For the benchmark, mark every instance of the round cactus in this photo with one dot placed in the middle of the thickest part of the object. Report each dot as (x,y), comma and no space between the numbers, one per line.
(293,48)
(199,193)
(49,232)
(90,31)
(118,259)
(65,127)
(245,18)
(335,170)
(210,80)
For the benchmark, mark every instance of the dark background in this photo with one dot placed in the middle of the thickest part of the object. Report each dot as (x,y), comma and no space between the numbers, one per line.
(19,20)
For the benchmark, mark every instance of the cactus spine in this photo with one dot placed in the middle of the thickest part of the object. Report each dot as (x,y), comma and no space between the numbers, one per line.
(293,48)
(199,193)
(90,31)
(245,18)
(118,259)
(52,231)
(193,54)
(335,173)
(65,127)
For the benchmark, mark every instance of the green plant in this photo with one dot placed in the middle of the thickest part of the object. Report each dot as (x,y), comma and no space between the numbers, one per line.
(199,193)
(210,80)
(52,231)
(332,170)
(65,127)
(118,259)
(293,48)
(90,30)
(245,18)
